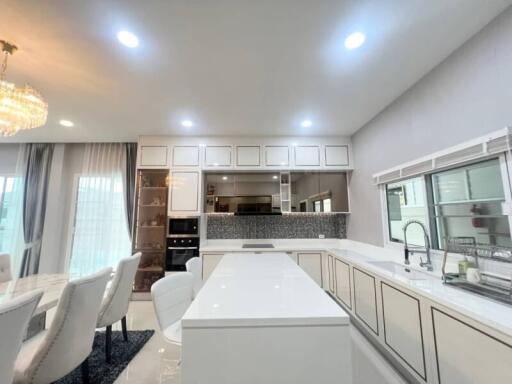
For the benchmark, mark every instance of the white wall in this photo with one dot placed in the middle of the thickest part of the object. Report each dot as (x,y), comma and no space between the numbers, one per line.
(466,96)
(8,158)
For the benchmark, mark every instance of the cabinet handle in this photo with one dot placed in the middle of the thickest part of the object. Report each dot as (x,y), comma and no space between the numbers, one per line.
(182,248)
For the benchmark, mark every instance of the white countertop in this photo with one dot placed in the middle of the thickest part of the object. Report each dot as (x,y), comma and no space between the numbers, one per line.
(479,308)
(261,290)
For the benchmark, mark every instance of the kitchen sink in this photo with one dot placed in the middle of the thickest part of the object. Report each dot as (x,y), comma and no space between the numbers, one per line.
(258,245)
(399,269)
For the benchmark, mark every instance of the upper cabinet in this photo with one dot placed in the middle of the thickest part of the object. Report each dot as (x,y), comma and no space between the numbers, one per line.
(307,155)
(277,156)
(218,156)
(184,192)
(153,156)
(185,156)
(248,156)
(336,155)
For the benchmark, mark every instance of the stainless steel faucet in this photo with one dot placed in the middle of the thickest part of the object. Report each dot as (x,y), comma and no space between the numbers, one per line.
(428,263)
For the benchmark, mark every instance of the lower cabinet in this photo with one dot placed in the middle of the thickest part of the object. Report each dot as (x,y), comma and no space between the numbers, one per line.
(330,264)
(343,283)
(311,263)
(465,354)
(210,261)
(365,299)
(403,331)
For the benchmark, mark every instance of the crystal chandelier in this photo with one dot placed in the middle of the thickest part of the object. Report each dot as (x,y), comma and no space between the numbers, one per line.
(20,108)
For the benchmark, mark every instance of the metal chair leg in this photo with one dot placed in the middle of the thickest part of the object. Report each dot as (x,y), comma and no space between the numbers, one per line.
(125,330)
(85,371)
(108,344)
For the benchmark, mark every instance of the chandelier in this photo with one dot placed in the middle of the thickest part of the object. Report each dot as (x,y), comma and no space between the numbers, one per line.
(20,108)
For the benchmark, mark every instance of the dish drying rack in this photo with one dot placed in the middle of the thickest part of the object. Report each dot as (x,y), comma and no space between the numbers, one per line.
(492,286)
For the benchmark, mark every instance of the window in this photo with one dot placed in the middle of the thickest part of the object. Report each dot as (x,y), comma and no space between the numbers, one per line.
(460,202)
(322,205)
(100,233)
(11,235)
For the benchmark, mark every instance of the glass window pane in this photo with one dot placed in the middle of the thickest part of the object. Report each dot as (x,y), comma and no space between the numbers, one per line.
(406,201)
(327,205)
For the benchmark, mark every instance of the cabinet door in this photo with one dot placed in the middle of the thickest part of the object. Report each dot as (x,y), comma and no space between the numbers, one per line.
(185,156)
(277,155)
(466,354)
(307,155)
(217,156)
(336,155)
(365,299)
(210,261)
(403,332)
(153,156)
(184,191)
(248,156)
(311,263)
(330,263)
(343,290)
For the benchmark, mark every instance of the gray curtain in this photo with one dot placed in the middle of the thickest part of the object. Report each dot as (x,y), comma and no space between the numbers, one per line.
(37,161)
(129,182)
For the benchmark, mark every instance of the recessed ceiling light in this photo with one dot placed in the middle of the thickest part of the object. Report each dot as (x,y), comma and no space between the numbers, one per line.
(187,123)
(224,177)
(306,123)
(128,39)
(355,40)
(67,123)
(274,177)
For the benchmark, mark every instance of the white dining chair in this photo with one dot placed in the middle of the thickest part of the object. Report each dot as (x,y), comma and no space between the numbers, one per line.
(172,296)
(193,266)
(67,343)
(115,304)
(5,268)
(15,316)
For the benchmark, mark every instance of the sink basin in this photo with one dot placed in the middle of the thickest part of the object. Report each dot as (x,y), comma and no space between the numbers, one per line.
(399,269)
(258,245)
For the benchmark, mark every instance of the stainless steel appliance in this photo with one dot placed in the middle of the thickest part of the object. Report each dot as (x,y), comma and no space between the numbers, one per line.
(179,251)
(183,227)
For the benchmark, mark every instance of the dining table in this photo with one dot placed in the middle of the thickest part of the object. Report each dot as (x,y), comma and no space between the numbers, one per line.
(52,286)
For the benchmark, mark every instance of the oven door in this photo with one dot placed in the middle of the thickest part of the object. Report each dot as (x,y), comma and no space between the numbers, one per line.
(183,227)
(177,256)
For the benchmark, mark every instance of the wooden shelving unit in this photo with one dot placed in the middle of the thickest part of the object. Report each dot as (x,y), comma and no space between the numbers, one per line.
(150,227)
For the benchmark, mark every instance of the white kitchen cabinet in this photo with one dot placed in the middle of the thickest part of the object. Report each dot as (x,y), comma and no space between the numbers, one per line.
(336,155)
(184,191)
(330,264)
(403,332)
(343,286)
(365,299)
(311,263)
(248,156)
(277,156)
(307,156)
(153,156)
(466,354)
(185,156)
(218,156)
(210,261)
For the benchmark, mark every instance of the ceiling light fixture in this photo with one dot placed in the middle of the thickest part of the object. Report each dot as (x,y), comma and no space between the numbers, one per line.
(128,39)
(187,123)
(224,177)
(306,123)
(355,40)
(274,177)
(20,108)
(67,123)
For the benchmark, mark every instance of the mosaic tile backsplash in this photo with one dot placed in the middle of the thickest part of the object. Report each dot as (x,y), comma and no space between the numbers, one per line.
(287,226)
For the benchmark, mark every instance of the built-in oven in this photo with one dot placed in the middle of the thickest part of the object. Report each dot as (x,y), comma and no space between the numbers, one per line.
(179,251)
(183,227)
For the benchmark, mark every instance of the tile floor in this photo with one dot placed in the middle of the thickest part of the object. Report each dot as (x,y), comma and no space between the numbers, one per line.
(157,362)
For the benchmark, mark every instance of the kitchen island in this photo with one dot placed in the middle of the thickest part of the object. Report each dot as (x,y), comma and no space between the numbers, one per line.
(260,318)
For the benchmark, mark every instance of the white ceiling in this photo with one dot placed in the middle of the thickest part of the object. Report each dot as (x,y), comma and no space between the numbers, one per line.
(235,67)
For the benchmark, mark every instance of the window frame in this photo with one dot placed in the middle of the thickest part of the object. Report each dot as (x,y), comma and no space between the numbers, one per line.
(505,164)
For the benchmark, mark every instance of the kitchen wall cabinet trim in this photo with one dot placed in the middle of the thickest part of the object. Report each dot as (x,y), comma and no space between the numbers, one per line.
(153,156)
(248,156)
(349,304)
(306,156)
(388,343)
(316,275)
(336,155)
(185,156)
(277,156)
(435,310)
(376,329)
(218,156)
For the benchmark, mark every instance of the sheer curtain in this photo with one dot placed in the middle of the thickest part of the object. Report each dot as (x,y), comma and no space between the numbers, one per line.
(100,236)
